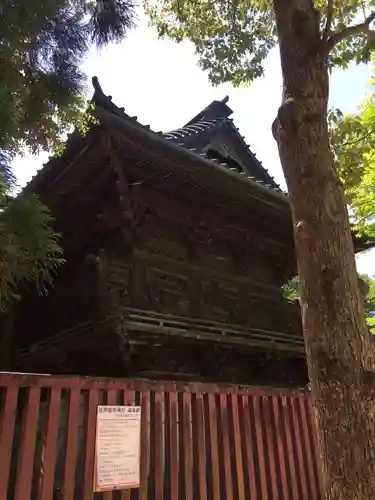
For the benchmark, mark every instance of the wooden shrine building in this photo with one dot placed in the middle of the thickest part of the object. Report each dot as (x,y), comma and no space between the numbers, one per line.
(177,245)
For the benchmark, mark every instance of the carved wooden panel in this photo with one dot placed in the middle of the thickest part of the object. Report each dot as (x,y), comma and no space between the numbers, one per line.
(119,273)
(169,292)
(221,301)
(196,242)
(181,288)
(225,149)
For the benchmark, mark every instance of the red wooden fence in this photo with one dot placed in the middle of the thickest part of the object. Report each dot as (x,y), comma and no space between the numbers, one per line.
(198,442)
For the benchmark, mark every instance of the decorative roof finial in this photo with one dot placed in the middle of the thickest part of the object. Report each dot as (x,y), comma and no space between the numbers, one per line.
(105,101)
(97,86)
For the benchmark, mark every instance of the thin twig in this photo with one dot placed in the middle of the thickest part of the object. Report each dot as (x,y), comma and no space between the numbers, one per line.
(364,219)
(362,138)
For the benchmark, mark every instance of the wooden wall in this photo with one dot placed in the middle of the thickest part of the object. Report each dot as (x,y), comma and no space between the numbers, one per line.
(185,275)
(164,248)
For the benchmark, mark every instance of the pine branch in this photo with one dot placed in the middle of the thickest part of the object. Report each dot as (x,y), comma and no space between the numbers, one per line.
(111,20)
(357,29)
(327,27)
(6,173)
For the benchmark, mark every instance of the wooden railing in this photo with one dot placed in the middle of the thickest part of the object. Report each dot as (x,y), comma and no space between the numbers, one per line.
(168,324)
(198,442)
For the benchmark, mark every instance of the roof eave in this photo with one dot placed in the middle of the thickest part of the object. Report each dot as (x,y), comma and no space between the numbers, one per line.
(158,145)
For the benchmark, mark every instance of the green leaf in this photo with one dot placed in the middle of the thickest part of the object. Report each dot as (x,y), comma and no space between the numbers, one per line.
(29,248)
(233,38)
(353,145)
(291,293)
(42,97)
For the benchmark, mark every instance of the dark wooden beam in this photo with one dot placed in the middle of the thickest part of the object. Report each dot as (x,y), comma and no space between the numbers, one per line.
(7,340)
(178,185)
(191,216)
(154,146)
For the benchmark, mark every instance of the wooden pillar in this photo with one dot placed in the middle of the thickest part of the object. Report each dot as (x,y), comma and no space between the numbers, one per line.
(101,300)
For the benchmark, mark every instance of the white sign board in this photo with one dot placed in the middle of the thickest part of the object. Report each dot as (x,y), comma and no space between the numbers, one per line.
(117,457)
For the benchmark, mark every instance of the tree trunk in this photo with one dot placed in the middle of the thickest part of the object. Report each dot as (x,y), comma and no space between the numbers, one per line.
(339,353)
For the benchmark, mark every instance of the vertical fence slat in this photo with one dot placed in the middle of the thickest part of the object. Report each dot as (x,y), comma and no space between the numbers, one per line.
(249,444)
(89,451)
(185,422)
(143,490)
(171,445)
(313,482)
(237,448)
(159,448)
(260,447)
(151,475)
(289,447)
(7,420)
(111,401)
(69,467)
(112,397)
(212,441)
(280,448)
(298,442)
(267,405)
(49,453)
(226,456)
(199,451)
(27,445)
(167,445)
(281,429)
(316,447)
(127,398)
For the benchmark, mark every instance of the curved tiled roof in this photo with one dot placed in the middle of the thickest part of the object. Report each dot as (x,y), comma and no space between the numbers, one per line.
(188,131)
(196,128)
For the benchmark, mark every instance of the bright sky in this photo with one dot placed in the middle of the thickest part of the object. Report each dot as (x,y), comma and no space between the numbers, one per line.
(159,82)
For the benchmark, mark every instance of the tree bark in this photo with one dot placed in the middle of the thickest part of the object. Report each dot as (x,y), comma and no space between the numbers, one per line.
(340,356)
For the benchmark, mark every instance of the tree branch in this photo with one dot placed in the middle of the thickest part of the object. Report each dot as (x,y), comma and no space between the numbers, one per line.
(351,31)
(329,19)
(362,138)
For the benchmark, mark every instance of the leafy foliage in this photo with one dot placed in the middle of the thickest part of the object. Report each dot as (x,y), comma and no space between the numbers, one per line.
(353,143)
(233,38)
(42,89)
(370,301)
(110,20)
(42,44)
(291,292)
(29,248)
